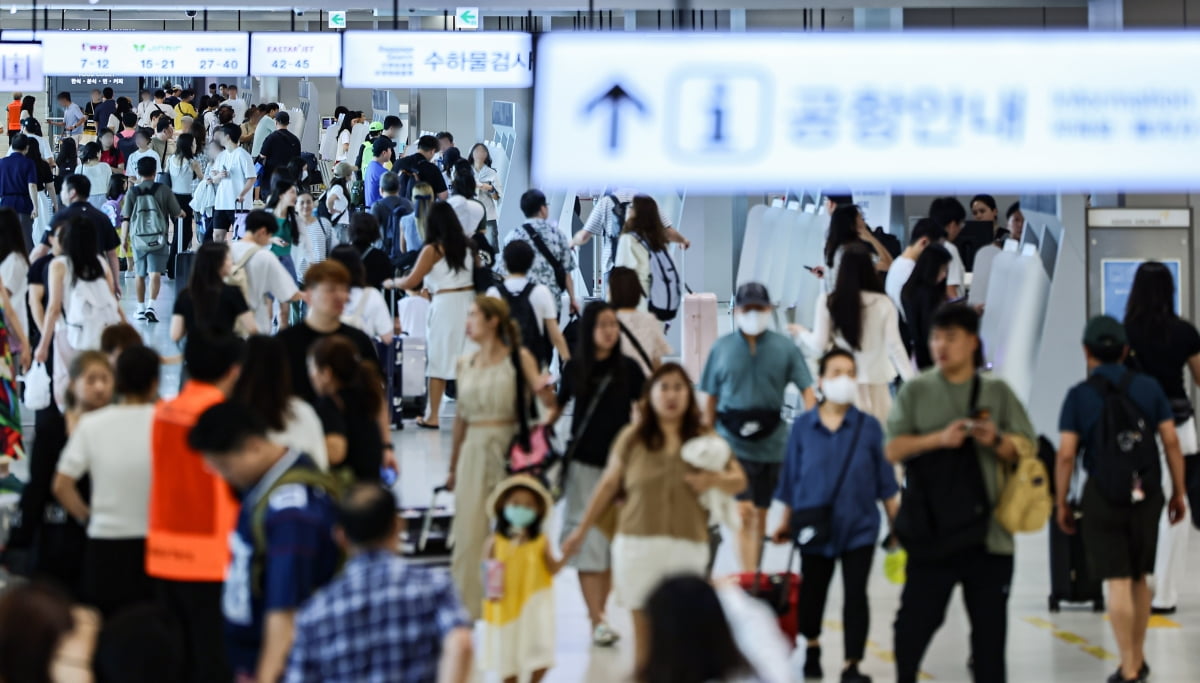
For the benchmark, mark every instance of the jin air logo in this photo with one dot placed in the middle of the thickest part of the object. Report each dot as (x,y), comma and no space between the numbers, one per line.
(139,48)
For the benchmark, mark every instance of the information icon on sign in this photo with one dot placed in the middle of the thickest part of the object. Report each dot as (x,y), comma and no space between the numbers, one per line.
(719,110)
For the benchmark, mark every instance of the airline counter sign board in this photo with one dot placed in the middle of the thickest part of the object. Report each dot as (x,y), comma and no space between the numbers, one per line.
(21,67)
(437,59)
(296,54)
(122,53)
(1010,111)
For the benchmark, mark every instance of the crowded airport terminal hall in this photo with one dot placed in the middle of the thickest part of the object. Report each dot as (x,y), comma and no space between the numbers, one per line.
(599,341)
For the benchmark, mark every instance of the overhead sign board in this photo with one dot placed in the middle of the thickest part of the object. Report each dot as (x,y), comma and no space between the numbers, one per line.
(441,59)
(337,18)
(1011,111)
(467,18)
(21,67)
(296,54)
(1139,218)
(113,53)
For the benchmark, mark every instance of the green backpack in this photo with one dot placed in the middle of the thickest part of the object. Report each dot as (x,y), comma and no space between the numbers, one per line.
(309,477)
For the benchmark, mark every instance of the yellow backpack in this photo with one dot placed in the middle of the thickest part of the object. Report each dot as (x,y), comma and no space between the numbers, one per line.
(1025,503)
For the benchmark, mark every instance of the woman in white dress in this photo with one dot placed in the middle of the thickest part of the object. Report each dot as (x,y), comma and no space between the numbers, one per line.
(860,318)
(96,172)
(446,265)
(487,188)
(643,233)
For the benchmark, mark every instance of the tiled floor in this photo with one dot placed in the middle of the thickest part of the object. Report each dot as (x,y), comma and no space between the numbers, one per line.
(1074,646)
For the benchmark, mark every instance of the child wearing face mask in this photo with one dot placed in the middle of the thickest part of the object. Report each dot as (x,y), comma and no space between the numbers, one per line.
(834,460)
(518,579)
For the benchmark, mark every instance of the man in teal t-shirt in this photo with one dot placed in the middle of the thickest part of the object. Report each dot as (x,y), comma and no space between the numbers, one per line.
(745,378)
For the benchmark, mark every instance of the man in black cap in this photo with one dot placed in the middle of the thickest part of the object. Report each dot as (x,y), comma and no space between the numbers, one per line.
(745,377)
(1123,497)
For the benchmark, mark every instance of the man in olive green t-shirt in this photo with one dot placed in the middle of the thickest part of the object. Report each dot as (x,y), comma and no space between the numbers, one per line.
(933,412)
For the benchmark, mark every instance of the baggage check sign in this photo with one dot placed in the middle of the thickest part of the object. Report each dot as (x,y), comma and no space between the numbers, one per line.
(911,111)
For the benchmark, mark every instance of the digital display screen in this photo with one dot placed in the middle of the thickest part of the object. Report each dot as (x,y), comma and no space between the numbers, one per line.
(296,54)
(125,53)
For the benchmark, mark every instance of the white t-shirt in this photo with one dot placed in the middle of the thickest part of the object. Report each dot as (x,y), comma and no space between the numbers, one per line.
(367,310)
(99,174)
(414,315)
(470,212)
(131,163)
(342,141)
(113,445)
(648,331)
(43,146)
(338,205)
(182,174)
(267,276)
(14,270)
(303,432)
(956,272)
(631,254)
(897,277)
(240,166)
(540,299)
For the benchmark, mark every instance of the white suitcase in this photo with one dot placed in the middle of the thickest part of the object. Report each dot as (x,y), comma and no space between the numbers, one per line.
(698,332)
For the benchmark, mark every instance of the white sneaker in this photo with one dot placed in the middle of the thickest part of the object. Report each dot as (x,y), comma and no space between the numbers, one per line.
(604,636)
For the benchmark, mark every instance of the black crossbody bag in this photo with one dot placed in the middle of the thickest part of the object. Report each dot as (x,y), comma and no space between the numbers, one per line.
(560,273)
(813,527)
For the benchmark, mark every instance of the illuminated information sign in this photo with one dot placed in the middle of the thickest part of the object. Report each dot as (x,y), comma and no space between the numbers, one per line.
(1010,111)
(296,54)
(21,66)
(121,53)
(437,59)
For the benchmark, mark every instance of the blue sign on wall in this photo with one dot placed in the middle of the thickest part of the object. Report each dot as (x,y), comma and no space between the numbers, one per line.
(1116,279)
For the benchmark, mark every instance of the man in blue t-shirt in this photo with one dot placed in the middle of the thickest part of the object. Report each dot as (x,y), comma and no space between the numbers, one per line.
(282,550)
(381,153)
(745,377)
(1119,537)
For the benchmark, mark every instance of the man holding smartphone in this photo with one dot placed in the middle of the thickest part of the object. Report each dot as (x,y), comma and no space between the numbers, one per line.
(233,174)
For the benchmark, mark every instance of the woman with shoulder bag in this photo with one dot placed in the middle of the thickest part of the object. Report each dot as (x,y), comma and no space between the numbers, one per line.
(662,527)
(496,385)
(605,384)
(833,473)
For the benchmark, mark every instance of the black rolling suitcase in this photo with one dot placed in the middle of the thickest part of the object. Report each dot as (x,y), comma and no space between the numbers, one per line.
(1070,581)
(184,258)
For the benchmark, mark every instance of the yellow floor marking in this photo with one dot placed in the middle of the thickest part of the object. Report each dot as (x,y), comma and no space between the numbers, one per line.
(1157,621)
(1072,639)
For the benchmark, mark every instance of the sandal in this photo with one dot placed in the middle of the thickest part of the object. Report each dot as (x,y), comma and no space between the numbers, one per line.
(425,425)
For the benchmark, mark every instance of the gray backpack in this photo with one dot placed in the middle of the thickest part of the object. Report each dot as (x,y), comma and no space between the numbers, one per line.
(148,222)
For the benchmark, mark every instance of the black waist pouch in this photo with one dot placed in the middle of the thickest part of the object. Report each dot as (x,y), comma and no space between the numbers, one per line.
(753,424)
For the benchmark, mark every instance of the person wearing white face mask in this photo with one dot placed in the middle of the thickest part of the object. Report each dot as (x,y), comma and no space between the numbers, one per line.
(834,471)
(745,377)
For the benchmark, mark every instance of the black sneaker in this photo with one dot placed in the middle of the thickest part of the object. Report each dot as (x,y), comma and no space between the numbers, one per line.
(1163,611)
(1144,673)
(1118,678)
(852,675)
(812,663)
(150,317)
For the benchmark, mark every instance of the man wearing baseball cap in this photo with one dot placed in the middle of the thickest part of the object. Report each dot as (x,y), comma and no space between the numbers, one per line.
(745,378)
(382,150)
(374,132)
(1123,497)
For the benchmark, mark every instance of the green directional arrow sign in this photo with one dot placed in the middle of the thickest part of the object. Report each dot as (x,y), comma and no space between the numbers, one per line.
(468,17)
(337,19)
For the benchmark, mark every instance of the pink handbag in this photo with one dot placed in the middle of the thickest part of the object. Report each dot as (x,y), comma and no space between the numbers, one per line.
(534,456)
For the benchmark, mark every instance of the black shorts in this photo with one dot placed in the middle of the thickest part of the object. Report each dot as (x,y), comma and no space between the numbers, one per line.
(761,479)
(223,219)
(1120,540)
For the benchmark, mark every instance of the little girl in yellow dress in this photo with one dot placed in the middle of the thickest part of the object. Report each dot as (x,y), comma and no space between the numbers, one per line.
(518,577)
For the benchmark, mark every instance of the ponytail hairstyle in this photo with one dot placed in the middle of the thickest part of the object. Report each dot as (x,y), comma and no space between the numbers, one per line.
(81,364)
(351,371)
(422,199)
(509,333)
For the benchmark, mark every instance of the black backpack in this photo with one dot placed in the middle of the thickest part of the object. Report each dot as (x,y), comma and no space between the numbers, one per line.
(619,211)
(1123,446)
(945,507)
(532,337)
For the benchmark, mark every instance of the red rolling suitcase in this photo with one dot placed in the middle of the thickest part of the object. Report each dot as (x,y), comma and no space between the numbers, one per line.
(781,592)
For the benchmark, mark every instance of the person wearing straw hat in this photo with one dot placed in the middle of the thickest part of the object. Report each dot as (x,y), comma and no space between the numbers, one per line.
(519,569)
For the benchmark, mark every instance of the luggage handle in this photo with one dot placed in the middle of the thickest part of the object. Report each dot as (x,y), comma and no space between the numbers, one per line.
(758,571)
(427,522)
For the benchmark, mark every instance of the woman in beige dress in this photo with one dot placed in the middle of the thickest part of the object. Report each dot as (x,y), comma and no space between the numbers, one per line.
(484,426)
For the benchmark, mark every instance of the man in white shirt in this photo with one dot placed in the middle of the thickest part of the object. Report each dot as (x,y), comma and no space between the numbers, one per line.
(264,272)
(951,216)
(518,257)
(233,174)
(266,126)
(237,103)
(144,107)
(606,220)
(73,117)
(924,233)
(142,138)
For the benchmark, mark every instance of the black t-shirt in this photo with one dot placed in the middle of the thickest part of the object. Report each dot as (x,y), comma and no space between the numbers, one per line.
(299,339)
(222,315)
(38,271)
(426,171)
(106,235)
(378,267)
(611,413)
(278,150)
(352,420)
(1163,353)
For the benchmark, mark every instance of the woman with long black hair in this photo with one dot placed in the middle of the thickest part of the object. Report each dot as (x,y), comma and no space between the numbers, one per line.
(208,305)
(1166,347)
(847,226)
(487,188)
(185,171)
(446,265)
(66,162)
(604,384)
(923,294)
(860,318)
